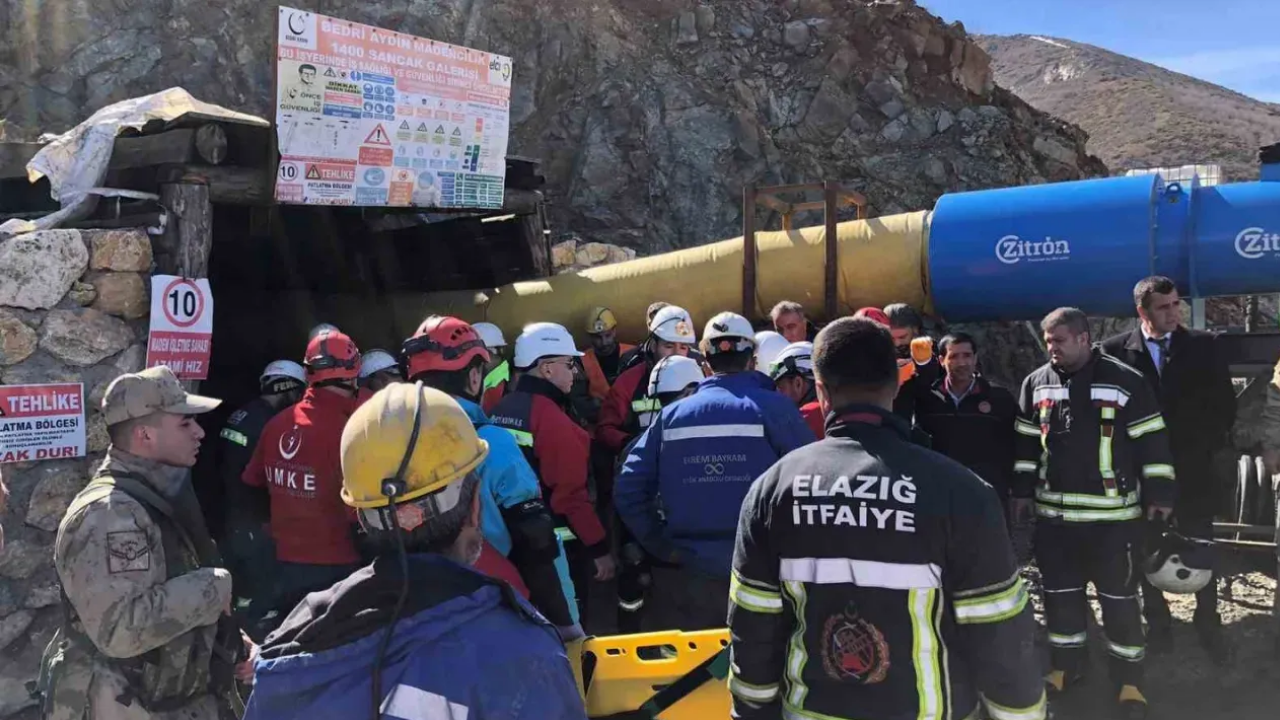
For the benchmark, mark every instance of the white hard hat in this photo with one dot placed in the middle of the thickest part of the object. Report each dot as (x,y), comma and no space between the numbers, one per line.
(375,361)
(321,328)
(674,325)
(1180,564)
(768,345)
(491,335)
(281,370)
(674,374)
(729,332)
(794,358)
(544,339)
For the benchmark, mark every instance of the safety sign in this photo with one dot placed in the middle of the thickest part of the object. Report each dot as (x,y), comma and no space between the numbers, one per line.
(351,98)
(41,422)
(181,326)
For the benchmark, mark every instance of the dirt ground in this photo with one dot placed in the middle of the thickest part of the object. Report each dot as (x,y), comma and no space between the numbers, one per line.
(1185,684)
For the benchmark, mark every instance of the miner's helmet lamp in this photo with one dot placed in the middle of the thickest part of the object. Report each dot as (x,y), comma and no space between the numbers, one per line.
(408,442)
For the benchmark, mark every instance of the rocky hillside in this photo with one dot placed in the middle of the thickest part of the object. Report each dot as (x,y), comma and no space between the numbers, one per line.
(1137,114)
(649,116)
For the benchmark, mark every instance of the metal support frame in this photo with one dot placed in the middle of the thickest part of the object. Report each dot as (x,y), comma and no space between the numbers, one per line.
(833,197)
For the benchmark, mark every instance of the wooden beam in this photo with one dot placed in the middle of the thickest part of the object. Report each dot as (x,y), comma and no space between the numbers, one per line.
(228,185)
(207,144)
(798,188)
(188,236)
(749,199)
(831,278)
(774,203)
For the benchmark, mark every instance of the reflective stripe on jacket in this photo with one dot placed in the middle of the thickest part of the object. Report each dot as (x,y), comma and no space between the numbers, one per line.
(700,456)
(1092,445)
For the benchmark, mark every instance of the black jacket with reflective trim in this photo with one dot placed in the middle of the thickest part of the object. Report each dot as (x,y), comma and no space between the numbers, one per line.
(874,578)
(1064,431)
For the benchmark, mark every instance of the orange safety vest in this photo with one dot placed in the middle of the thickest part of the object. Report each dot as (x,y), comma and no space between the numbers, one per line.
(597,383)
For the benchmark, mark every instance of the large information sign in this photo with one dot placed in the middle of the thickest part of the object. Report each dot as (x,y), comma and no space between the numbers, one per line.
(367,116)
(41,422)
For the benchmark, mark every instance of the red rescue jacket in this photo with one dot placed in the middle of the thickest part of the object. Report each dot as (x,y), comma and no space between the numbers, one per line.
(813,417)
(559,451)
(298,460)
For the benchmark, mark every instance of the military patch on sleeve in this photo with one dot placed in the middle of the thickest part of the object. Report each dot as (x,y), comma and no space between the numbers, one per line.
(128,551)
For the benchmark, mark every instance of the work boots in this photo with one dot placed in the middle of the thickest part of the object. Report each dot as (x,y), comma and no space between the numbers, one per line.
(1133,705)
(1058,682)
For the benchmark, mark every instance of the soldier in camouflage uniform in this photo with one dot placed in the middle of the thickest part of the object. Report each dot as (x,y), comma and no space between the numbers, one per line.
(142,609)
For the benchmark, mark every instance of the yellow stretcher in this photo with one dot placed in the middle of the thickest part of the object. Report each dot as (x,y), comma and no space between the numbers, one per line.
(670,675)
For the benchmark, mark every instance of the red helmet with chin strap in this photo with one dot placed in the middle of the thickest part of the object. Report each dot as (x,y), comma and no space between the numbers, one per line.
(331,356)
(442,343)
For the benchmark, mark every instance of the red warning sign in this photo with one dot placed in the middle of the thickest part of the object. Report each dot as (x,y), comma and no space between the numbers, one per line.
(332,172)
(181,326)
(378,136)
(376,156)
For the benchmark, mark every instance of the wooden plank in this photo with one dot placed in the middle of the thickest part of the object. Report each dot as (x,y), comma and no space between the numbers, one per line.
(207,144)
(188,236)
(831,278)
(229,185)
(749,199)
(774,203)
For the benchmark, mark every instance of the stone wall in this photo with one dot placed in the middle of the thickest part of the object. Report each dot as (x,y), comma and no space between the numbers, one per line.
(73,307)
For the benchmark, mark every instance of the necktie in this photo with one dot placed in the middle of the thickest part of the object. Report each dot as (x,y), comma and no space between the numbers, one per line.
(1163,344)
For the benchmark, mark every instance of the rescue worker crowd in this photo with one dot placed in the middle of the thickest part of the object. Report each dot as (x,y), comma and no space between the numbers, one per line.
(479,496)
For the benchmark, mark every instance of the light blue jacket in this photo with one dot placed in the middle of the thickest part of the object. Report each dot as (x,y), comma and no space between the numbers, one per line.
(507,480)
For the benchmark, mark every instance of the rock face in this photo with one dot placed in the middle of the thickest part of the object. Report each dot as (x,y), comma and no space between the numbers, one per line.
(649,117)
(37,269)
(119,250)
(120,293)
(57,484)
(17,339)
(571,254)
(83,336)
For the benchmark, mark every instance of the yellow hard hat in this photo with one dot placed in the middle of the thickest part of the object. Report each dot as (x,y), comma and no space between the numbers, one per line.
(414,432)
(601,320)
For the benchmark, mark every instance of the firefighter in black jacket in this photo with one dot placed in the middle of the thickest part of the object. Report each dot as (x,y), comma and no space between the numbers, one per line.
(969,419)
(1092,453)
(1198,402)
(873,574)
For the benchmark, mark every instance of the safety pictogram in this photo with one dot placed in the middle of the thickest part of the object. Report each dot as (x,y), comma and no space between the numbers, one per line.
(378,136)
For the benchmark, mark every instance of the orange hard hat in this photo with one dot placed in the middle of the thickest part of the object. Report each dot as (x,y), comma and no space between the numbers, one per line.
(442,343)
(331,355)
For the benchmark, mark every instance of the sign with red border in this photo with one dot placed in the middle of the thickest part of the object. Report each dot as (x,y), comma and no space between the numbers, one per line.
(181,334)
(41,422)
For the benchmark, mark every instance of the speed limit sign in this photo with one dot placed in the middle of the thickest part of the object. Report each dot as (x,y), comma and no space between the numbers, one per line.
(290,172)
(183,302)
(181,326)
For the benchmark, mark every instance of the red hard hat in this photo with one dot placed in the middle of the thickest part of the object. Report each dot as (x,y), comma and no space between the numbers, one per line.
(332,355)
(442,343)
(873,313)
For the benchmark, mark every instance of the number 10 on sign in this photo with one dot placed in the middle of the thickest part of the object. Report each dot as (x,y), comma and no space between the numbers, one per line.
(181,326)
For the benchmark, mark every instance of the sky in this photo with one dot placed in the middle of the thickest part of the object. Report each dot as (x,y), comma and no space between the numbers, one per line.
(1233,43)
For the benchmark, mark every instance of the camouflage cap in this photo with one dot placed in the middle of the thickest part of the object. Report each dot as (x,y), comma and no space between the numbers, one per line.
(153,390)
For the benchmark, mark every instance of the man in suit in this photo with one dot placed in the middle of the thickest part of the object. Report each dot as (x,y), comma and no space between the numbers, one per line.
(1199,405)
